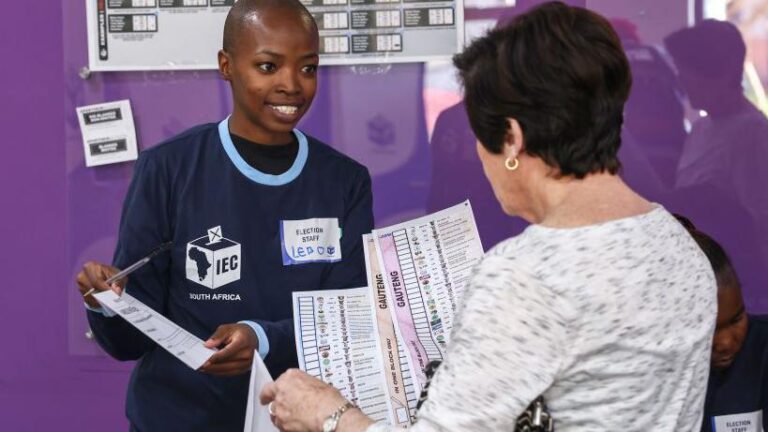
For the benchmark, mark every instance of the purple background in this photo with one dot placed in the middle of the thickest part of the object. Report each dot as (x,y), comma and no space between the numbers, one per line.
(57,213)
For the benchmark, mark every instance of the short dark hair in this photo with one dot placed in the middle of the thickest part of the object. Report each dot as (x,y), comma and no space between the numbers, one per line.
(243,10)
(560,71)
(724,272)
(713,48)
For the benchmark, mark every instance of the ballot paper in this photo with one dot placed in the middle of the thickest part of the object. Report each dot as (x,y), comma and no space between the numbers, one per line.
(337,342)
(426,263)
(402,389)
(109,135)
(373,343)
(184,345)
(257,417)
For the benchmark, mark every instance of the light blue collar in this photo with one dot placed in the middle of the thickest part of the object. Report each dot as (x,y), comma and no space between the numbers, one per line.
(256,175)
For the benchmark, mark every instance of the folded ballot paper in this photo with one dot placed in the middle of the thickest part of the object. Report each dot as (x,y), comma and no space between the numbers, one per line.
(182,344)
(372,343)
(257,415)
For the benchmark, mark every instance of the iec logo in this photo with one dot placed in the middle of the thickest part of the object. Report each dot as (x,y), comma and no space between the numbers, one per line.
(213,261)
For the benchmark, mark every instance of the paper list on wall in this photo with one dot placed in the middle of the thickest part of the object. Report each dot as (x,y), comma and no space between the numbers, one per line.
(337,342)
(154,34)
(182,344)
(402,389)
(426,265)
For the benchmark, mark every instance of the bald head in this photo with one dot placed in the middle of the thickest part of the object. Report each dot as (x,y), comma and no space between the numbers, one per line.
(249,12)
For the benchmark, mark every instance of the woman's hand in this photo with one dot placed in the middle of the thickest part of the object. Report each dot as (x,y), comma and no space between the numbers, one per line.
(300,403)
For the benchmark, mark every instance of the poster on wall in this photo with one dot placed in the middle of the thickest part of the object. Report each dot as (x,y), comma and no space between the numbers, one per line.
(125,35)
(108,131)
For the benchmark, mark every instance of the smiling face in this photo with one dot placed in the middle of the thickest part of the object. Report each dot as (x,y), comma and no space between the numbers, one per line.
(272,69)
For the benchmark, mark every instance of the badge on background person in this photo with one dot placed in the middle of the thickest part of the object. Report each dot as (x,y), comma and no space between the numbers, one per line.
(310,240)
(744,422)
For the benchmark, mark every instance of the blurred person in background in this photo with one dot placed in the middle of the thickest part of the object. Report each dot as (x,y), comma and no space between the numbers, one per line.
(728,147)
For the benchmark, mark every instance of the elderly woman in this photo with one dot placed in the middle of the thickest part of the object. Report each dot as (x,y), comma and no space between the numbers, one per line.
(604,305)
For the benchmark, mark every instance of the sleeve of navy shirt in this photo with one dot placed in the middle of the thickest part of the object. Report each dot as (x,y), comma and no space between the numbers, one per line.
(144,224)
(347,273)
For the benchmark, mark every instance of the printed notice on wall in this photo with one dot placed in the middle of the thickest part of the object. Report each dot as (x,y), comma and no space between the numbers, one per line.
(186,34)
(108,133)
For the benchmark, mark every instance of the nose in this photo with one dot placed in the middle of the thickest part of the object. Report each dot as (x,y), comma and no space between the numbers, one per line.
(725,343)
(289,82)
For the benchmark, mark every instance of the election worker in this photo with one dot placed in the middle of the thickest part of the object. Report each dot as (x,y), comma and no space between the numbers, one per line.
(605,306)
(737,393)
(255,209)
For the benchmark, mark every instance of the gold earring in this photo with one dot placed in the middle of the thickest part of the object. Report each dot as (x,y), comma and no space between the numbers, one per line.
(513,166)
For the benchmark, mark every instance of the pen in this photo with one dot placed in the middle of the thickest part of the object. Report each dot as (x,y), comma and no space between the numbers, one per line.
(133,267)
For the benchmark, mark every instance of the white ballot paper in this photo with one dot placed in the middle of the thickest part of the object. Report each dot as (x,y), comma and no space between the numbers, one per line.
(337,342)
(426,263)
(177,341)
(108,133)
(402,390)
(257,415)
(373,343)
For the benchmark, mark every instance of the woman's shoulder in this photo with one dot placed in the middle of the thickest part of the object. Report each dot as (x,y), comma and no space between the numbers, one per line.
(549,252)
(528,246)
(516,255)
(512,245)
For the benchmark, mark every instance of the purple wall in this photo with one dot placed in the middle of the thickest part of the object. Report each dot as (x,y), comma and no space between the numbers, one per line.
(42,387)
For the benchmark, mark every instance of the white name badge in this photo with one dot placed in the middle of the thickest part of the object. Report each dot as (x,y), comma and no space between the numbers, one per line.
(745,422)
(310,240)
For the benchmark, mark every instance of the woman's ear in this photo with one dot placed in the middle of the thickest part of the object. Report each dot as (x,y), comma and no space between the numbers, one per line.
(514,143)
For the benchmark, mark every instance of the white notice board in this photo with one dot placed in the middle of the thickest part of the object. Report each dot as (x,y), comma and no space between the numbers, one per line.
(126,35)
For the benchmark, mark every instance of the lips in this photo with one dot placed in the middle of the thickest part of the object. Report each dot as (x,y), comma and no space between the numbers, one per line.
(723,361)
(286,112)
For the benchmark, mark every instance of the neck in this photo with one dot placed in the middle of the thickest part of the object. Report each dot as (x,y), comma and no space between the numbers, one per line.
(728,105)
(569,203)
(241,126)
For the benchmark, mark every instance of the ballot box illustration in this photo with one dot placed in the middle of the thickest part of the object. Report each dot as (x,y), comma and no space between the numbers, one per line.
(213,261)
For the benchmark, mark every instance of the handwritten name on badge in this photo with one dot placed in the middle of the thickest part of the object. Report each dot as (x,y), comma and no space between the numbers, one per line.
(310,240)
(744,422)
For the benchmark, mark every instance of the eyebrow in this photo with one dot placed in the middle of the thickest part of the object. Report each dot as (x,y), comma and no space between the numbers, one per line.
(731,319)
(278,55)
(736,315)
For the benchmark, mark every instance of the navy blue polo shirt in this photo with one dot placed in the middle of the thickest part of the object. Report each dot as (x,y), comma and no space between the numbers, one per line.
(232,259)
(737,398)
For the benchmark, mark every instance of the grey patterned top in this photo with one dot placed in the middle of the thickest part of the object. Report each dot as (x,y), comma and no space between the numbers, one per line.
(612,322)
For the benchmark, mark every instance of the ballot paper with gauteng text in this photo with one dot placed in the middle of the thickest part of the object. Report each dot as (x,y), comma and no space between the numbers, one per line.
(426,264)
(373,343)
